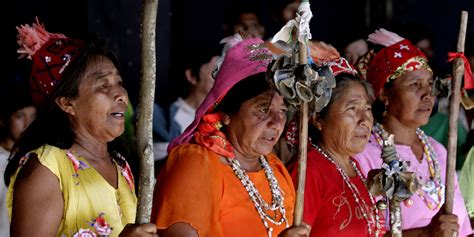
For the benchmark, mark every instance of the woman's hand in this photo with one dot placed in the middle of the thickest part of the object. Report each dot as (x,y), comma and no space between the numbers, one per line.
(139,230)
(296,231)
(443,225)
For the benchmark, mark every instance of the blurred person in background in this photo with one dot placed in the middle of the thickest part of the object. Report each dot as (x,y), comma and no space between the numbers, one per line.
(16,113)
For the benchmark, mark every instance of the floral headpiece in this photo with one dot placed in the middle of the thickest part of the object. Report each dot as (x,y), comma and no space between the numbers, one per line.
(398,56)
(51,53)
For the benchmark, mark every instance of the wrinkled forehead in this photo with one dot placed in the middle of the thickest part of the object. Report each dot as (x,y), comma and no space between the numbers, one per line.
(417,75)
(268,98)
(100,63)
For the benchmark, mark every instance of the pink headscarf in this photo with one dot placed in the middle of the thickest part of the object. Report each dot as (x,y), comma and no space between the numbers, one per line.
(248,57)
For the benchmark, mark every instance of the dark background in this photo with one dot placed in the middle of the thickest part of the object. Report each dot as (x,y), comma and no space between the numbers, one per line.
(186,23)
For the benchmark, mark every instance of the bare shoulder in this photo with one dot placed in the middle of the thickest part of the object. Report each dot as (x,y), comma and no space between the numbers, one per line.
(33,174)
(37,201)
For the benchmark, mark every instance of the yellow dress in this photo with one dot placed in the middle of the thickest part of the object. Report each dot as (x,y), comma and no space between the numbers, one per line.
(91,204)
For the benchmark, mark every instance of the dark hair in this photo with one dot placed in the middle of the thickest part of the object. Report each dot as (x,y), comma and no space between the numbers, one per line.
(378,107)
(343,82)
(241,92)
(197,55)
(235,13)
(52,125)
(13,99)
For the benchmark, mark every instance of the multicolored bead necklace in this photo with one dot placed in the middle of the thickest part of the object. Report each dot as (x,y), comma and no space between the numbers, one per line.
(434,188)
(370,213)
(259,203)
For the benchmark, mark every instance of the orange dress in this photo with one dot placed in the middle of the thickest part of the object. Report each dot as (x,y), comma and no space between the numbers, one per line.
(198,188)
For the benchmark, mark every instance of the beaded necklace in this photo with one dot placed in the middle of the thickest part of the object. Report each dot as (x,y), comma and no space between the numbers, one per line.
(370,213)
(259,203)
(434,187)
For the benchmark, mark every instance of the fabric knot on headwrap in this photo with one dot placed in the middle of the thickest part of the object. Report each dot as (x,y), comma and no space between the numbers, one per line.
(208,135)
(51,53)
(398,56)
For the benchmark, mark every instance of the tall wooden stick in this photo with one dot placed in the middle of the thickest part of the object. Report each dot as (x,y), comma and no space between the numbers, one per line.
(458,71)
(303,144)
(302,154)
(145,119)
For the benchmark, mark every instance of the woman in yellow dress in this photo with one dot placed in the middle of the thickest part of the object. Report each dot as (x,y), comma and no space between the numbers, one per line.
(66,176)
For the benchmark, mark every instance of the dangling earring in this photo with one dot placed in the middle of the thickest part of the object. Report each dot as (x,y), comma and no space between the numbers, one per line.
(384,114)
(318,126)
(218,125)
(316,123)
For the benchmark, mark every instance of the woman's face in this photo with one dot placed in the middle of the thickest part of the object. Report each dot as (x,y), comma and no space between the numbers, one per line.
(348,122)
(409,99)
(257,126)
(98,111)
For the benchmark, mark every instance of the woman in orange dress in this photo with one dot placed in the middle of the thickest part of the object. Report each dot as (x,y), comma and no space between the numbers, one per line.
(221,178)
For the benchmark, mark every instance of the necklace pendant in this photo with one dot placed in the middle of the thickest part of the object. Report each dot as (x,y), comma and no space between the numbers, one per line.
(270,231)
(408,202)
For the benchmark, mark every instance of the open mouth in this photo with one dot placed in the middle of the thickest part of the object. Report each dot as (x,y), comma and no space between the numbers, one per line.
(269,138)
(118,115)
(424,109)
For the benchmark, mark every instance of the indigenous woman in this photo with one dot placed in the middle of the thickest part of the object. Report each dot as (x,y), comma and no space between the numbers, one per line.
(336,200)
(66,177)
(221,178)
(402,81)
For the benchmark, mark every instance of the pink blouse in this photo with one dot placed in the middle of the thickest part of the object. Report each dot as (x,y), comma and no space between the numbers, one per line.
(415,213)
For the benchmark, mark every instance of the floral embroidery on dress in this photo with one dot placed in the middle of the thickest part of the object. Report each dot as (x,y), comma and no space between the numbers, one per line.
(24,159)
(126,172)
(84,233)
(102,228)
(78,164)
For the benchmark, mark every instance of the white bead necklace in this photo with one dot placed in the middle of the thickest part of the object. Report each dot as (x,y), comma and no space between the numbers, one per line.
(434,188)
(366,209)
(261,206)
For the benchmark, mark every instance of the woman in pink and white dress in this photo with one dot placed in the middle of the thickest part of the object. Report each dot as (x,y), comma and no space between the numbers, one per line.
(403,81)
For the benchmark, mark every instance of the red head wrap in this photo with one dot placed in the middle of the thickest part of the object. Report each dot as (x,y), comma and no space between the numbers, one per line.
(51,53)
(398,57)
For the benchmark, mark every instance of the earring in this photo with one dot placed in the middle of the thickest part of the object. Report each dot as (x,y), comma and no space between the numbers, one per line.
(319,127)
(384,114)
(218,125)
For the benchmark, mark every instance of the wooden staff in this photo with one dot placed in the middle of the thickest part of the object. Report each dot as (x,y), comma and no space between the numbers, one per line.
(458,71)
(302,154)
(145,108)
(303,143)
